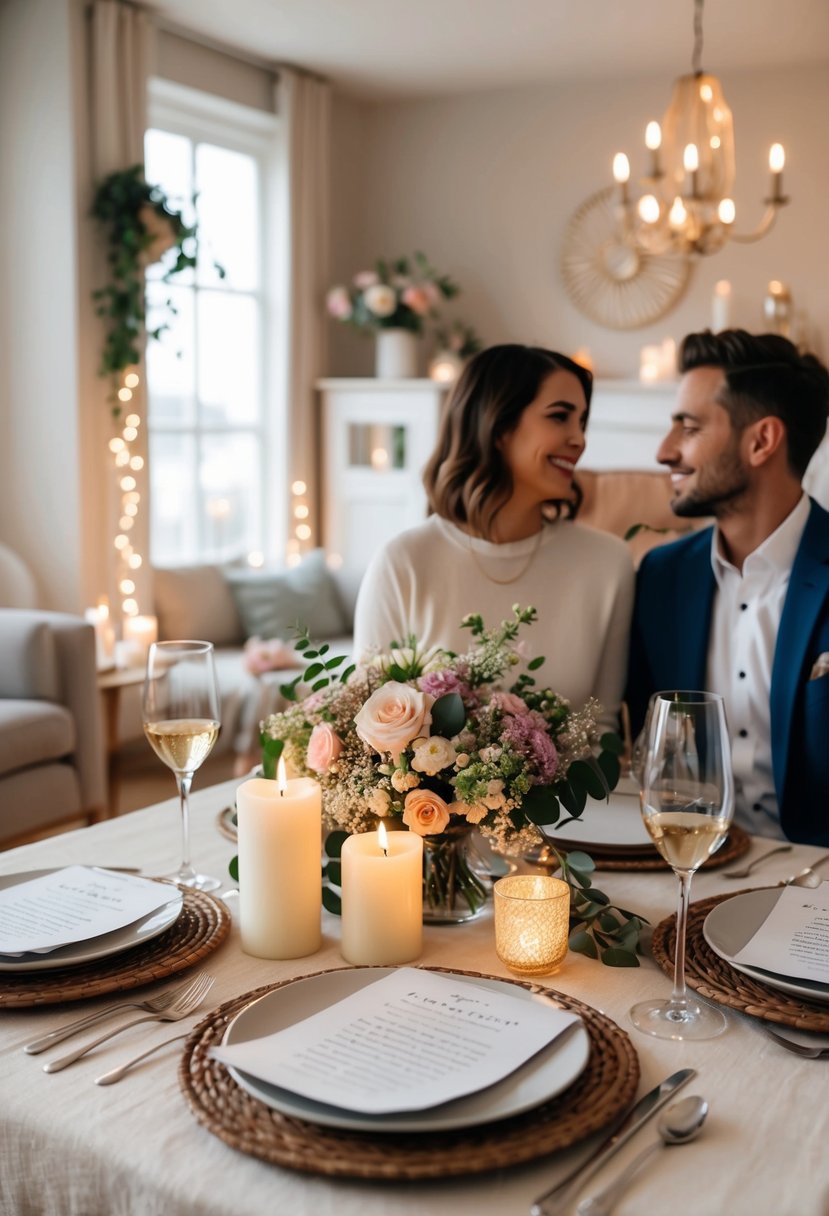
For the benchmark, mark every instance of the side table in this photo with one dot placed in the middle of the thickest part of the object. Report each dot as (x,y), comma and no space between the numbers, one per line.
(110,684)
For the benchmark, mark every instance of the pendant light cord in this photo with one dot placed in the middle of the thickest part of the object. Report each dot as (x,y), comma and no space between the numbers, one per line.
(696,62)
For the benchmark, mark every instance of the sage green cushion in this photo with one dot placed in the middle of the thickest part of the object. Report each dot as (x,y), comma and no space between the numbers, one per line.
(275,604)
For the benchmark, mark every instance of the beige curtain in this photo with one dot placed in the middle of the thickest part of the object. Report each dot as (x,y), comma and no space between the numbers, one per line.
(304,107)
(119,53)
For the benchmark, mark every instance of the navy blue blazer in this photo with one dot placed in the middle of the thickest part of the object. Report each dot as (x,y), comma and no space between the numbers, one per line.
(669,649)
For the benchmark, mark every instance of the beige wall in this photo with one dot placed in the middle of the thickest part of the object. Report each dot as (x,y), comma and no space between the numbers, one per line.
(485,184)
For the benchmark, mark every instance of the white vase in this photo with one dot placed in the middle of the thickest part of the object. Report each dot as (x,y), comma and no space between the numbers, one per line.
(395,354)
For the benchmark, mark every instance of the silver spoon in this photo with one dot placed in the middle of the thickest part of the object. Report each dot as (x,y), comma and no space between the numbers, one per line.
(678,1124)
(744,871)
(806,877)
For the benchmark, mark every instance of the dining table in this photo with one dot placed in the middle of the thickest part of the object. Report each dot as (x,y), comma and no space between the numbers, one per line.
(69,1147)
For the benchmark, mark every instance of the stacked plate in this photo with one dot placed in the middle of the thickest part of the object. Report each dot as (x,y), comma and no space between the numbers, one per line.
(79,953)
(732,924)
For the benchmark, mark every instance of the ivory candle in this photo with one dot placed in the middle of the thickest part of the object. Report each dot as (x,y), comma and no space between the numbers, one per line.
(721,305)
(280,884)
(382,892)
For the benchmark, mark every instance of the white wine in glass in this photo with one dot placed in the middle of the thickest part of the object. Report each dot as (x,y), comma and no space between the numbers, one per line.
(687,795)
(181,722)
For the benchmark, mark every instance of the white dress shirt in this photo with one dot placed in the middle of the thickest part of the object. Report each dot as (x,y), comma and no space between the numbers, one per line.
(744,625)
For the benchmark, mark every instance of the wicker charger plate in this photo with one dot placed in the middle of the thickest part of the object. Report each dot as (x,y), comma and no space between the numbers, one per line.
(714,978)
(200,928)
(225,821)
(737,842)
(602,1092)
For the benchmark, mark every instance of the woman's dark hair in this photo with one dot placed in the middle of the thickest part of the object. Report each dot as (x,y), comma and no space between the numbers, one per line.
(766,375)
(467,479)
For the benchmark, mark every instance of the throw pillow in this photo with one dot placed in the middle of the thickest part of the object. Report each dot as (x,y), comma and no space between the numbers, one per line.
(196,602)
(272,605)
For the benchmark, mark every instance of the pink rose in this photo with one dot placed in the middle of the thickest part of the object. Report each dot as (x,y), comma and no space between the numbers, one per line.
(324,747)
(393,716)
(509,703)
(338,303)
(425,812)
(417,299)
(366,278)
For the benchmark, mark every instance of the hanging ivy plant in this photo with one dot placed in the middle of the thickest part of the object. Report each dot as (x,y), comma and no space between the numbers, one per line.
(141,226)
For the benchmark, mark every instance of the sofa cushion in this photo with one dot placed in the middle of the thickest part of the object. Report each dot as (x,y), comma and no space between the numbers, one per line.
(272,604)
(28,658)
(196,602)
(33,732)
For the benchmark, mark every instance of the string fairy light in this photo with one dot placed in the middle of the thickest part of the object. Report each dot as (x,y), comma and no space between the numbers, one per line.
(126,462)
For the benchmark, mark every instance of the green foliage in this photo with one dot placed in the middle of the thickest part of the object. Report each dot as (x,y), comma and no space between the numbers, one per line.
(140,226)
(317,675)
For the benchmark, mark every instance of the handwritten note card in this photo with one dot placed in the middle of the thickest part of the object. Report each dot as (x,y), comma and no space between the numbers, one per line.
(407,1042)
(793,940)
(73,905)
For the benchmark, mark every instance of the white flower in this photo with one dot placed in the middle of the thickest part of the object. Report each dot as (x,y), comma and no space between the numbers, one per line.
(404,781)
(432,755)
(490,754)
(494,795)
(380,299)
(378,802)
(462,759)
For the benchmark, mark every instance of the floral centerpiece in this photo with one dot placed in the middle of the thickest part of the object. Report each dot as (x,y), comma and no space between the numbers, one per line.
(437,742)
(395,295)
(458,338)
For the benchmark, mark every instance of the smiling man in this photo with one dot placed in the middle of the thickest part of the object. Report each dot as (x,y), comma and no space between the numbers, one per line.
(742,608)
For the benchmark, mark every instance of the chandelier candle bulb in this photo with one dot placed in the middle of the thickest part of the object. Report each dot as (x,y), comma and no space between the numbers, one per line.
(621,174)
(382,893)
(280,890)
(653,142)
(777,159)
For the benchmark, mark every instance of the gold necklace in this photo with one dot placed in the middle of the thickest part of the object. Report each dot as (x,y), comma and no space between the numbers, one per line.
(504,582)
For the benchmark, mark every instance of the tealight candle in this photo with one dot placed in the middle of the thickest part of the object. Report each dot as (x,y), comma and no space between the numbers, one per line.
(532,923)
(382,893)
(140,632)
(280,885)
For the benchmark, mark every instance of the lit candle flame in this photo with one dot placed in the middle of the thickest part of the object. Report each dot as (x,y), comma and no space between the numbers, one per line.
(382,838)
(281,777)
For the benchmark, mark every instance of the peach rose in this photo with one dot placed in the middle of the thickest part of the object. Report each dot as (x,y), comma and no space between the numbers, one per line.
(393,716)
(509,703)
(324,747)
(425,812)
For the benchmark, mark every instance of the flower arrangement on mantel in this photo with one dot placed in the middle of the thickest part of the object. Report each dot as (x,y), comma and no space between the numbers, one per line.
(457,338)
(400,294)
(141,226)
(434,740)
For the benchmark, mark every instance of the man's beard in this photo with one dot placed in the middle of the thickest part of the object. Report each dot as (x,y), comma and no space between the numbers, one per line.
(718,487)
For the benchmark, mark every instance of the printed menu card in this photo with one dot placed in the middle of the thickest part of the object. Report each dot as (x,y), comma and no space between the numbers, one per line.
(74,905)
(407,1042)
(793,940)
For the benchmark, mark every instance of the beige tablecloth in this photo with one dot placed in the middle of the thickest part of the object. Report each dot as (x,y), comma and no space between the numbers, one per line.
(72,1148)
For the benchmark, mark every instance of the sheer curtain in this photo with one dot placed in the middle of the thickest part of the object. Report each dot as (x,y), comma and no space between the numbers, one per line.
(304,107)
(120,44)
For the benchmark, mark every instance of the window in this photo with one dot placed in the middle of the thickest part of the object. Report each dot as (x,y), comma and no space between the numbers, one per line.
(212,425)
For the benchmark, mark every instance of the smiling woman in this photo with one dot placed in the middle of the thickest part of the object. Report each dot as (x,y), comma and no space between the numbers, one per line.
(511,437)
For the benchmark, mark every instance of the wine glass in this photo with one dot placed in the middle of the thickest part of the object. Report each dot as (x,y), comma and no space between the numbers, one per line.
(180,712)
(687,800)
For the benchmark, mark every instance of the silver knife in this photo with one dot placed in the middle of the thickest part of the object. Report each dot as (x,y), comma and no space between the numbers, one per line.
(636,1117)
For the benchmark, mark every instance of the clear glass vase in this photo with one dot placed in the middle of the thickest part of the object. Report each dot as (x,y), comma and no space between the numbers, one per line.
(454,889)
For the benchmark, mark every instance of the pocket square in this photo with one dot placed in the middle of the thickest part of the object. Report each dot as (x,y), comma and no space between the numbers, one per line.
(820,666)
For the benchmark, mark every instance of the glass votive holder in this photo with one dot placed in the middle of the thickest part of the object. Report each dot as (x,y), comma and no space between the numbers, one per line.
(532,923)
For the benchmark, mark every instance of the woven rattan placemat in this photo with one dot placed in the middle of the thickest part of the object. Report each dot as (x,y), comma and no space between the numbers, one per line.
(605,1089)
(737,842)
(714,978)
(226,823)
(200,928)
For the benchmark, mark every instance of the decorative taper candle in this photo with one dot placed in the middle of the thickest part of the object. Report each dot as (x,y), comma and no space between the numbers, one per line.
(280,884)
(382,892)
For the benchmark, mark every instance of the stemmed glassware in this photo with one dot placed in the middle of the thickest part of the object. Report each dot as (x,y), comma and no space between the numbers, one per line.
(180,712)
(687,799)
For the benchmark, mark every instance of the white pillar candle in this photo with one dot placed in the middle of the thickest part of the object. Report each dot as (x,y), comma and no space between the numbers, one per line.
(721,306)
(140,632)
(382,893)
(280,869)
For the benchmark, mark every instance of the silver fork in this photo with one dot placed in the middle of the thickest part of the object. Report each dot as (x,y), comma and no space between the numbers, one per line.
(811,1050)
(155,1004)
(744,871)
(186,1004)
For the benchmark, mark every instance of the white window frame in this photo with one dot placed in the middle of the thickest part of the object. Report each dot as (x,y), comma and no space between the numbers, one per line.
(204,117)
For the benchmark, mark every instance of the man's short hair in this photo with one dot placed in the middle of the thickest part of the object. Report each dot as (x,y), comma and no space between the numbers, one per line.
(766,375)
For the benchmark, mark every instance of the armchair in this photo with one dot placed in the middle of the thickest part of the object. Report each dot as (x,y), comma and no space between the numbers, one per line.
(52,760)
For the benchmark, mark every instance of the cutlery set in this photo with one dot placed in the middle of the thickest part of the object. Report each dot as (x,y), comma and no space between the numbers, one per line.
(171,1006)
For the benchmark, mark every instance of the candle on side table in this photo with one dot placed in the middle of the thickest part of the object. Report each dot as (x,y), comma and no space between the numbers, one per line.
(382,892)
(280,886)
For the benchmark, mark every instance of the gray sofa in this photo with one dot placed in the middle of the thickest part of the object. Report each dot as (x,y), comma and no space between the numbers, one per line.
(226,605)
(52,759)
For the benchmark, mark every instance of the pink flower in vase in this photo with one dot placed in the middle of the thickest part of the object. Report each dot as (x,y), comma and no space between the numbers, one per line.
(324,747)
(338,303)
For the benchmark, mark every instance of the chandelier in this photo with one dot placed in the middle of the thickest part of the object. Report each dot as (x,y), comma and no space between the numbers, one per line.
(686,203)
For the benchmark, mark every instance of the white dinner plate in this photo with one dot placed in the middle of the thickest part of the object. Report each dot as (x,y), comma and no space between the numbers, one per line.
(77,953)
(540,1078)
(730,925)
(616,825)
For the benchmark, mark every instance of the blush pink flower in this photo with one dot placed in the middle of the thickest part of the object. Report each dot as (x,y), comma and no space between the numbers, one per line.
(417,299)
(425,812)
(366,278)
(338,303)
(509,703)
(324,747)
(392,716)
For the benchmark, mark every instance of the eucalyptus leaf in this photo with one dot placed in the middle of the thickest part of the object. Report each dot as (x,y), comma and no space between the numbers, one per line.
(332,902)
(586,773)
(540,805)
(610,742)
(334,843)
(448,715)
(582,943)
(615,956)
(333,872)
(233,868)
